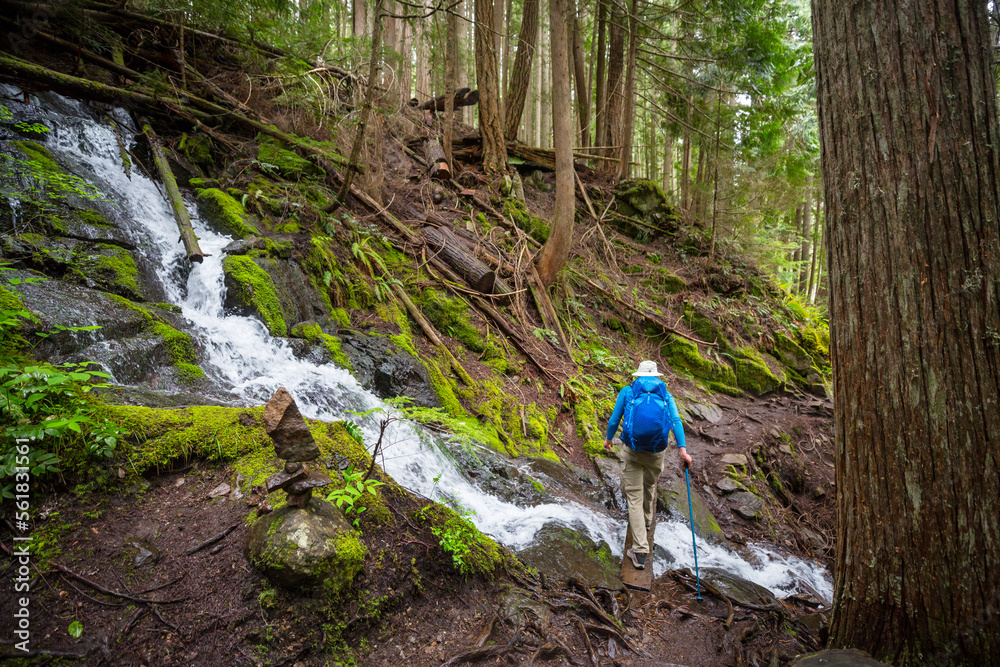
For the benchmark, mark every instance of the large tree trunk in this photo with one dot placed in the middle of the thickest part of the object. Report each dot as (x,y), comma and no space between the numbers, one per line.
(686,166)
(580,76)
(359,17)
(490,124)
(450,73)
(910,141)
(628,133)
(668,166)
(521,74)
(600,85)
(615,118)
(555,252)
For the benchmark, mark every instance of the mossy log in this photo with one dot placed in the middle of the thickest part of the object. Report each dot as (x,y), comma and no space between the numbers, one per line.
(449,248)
(437,163)
(194,253)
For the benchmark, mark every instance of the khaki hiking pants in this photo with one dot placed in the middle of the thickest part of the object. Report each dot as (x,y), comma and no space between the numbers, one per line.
(642,469)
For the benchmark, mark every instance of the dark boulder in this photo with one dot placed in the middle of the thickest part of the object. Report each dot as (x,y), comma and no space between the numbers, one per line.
(386,370)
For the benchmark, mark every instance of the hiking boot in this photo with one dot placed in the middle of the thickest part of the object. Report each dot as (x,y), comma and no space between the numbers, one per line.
(638,560)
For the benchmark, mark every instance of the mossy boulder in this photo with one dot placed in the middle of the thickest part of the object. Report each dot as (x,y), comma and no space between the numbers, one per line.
(388,370)
(297,547)
(683,355)
(312,332)
(250,291)
(289,164)
(560,552)
(705,327)
(535,227)
(644,201)
(672,498)
(224,214)
(665,281)
(791,353)
(753,376)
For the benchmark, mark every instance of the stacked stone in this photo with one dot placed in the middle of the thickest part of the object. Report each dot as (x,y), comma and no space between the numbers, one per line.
(294,443)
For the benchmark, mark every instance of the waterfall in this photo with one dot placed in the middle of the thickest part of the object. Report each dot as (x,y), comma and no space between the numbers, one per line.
(241,360)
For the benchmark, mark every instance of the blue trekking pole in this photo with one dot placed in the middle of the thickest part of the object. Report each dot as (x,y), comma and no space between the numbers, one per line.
(694,543)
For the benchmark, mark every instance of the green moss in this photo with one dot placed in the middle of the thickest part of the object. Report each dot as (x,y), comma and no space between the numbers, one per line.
(815,342)
(197,148)
(340,316)
(449,316)
(791,353)
(704,328)
(517,210)
(725,389)
(754,376)
(159,438)
(289,164)
(314,334)
(190,373)
(665,281)
(253,288)
(169,307)
(225,214)
(683,355)
(478,553)
(112,268)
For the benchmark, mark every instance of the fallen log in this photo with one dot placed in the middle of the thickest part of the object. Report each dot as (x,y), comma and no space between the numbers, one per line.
(450,249)
(463,98)
(437,163)
(194,253)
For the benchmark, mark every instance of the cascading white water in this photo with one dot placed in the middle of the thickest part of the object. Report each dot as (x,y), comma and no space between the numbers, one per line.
(244,361)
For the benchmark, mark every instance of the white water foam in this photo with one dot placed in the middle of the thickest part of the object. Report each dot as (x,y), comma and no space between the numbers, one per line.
(243,360)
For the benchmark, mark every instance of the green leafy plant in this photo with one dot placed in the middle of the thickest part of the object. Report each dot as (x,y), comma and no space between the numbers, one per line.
(75,629)
(34,128)
(349,498)
(367,256)
(546,334)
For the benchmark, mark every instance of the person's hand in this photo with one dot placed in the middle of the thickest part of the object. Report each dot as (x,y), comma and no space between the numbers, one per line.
(685,457)
(607,445)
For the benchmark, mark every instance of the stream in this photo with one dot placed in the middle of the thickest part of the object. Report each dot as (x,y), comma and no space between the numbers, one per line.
(246,365)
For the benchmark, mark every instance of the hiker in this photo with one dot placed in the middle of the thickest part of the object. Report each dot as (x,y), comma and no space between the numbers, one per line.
(650,415)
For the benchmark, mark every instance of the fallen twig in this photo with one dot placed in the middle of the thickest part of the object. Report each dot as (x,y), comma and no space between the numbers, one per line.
(212,540)
(101,589)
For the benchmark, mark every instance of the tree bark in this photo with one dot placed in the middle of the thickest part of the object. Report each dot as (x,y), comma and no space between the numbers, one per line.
(686,165)
(359,15)
(555,252)
(490,125)
(797,254)
(909,137)
(600,85)
(479,276)
(520,77)
(437,161)
(450,72)
(628,132)
(817,232)
(582,98)
(668,166)
(806,250)
(614,119)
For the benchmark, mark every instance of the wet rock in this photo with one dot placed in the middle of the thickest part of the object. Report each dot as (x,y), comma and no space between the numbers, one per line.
(727,485)
(561,552)
(818,492)
(703,410)
(497,476)
(299,500)
(387,370)
(738,588)
(838,658)
(610,472)
(244,246)
(289,431)
(572,482)
(282,479)
(734,460)
(746,512)
(314,480)
(672,498)
(221,490)
(295,547)
(785,449)
(146,553)
(746,498)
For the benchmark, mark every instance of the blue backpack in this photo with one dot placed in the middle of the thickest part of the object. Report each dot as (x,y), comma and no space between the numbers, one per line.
(646,417)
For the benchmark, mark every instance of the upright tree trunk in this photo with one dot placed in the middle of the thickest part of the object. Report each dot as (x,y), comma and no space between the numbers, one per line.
(615,90)
(686,162)
(505,61)
(538,96)
(699,182)
(490,123)
(579,70)
(555,252)
(668,166)
(359,17)
(422,84)
(806,250)
(909,136)
(625,156)
(600,84)
(450,74)
(810,294)
(546,81)
(521,75)
(797,254)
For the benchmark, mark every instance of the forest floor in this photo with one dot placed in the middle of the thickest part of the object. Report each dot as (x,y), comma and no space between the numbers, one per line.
(215,604)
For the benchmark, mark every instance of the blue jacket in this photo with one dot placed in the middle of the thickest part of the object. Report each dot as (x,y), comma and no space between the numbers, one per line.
(625,397)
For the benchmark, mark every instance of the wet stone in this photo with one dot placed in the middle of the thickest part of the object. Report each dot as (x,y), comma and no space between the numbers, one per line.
(314,480)
(746,512)
(280,480)
(289,431)
(734,460)
(738,588)
(220,490)
(146,553)
(299,500)
(748,499)
(561,552)
(727,485)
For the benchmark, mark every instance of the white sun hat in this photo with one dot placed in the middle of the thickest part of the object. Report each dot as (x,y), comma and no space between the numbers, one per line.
(647,369)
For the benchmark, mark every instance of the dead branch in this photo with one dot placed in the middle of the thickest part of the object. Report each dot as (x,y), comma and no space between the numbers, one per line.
(212,540)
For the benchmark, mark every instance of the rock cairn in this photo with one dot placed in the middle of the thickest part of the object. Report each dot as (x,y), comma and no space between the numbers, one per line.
(294,443)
